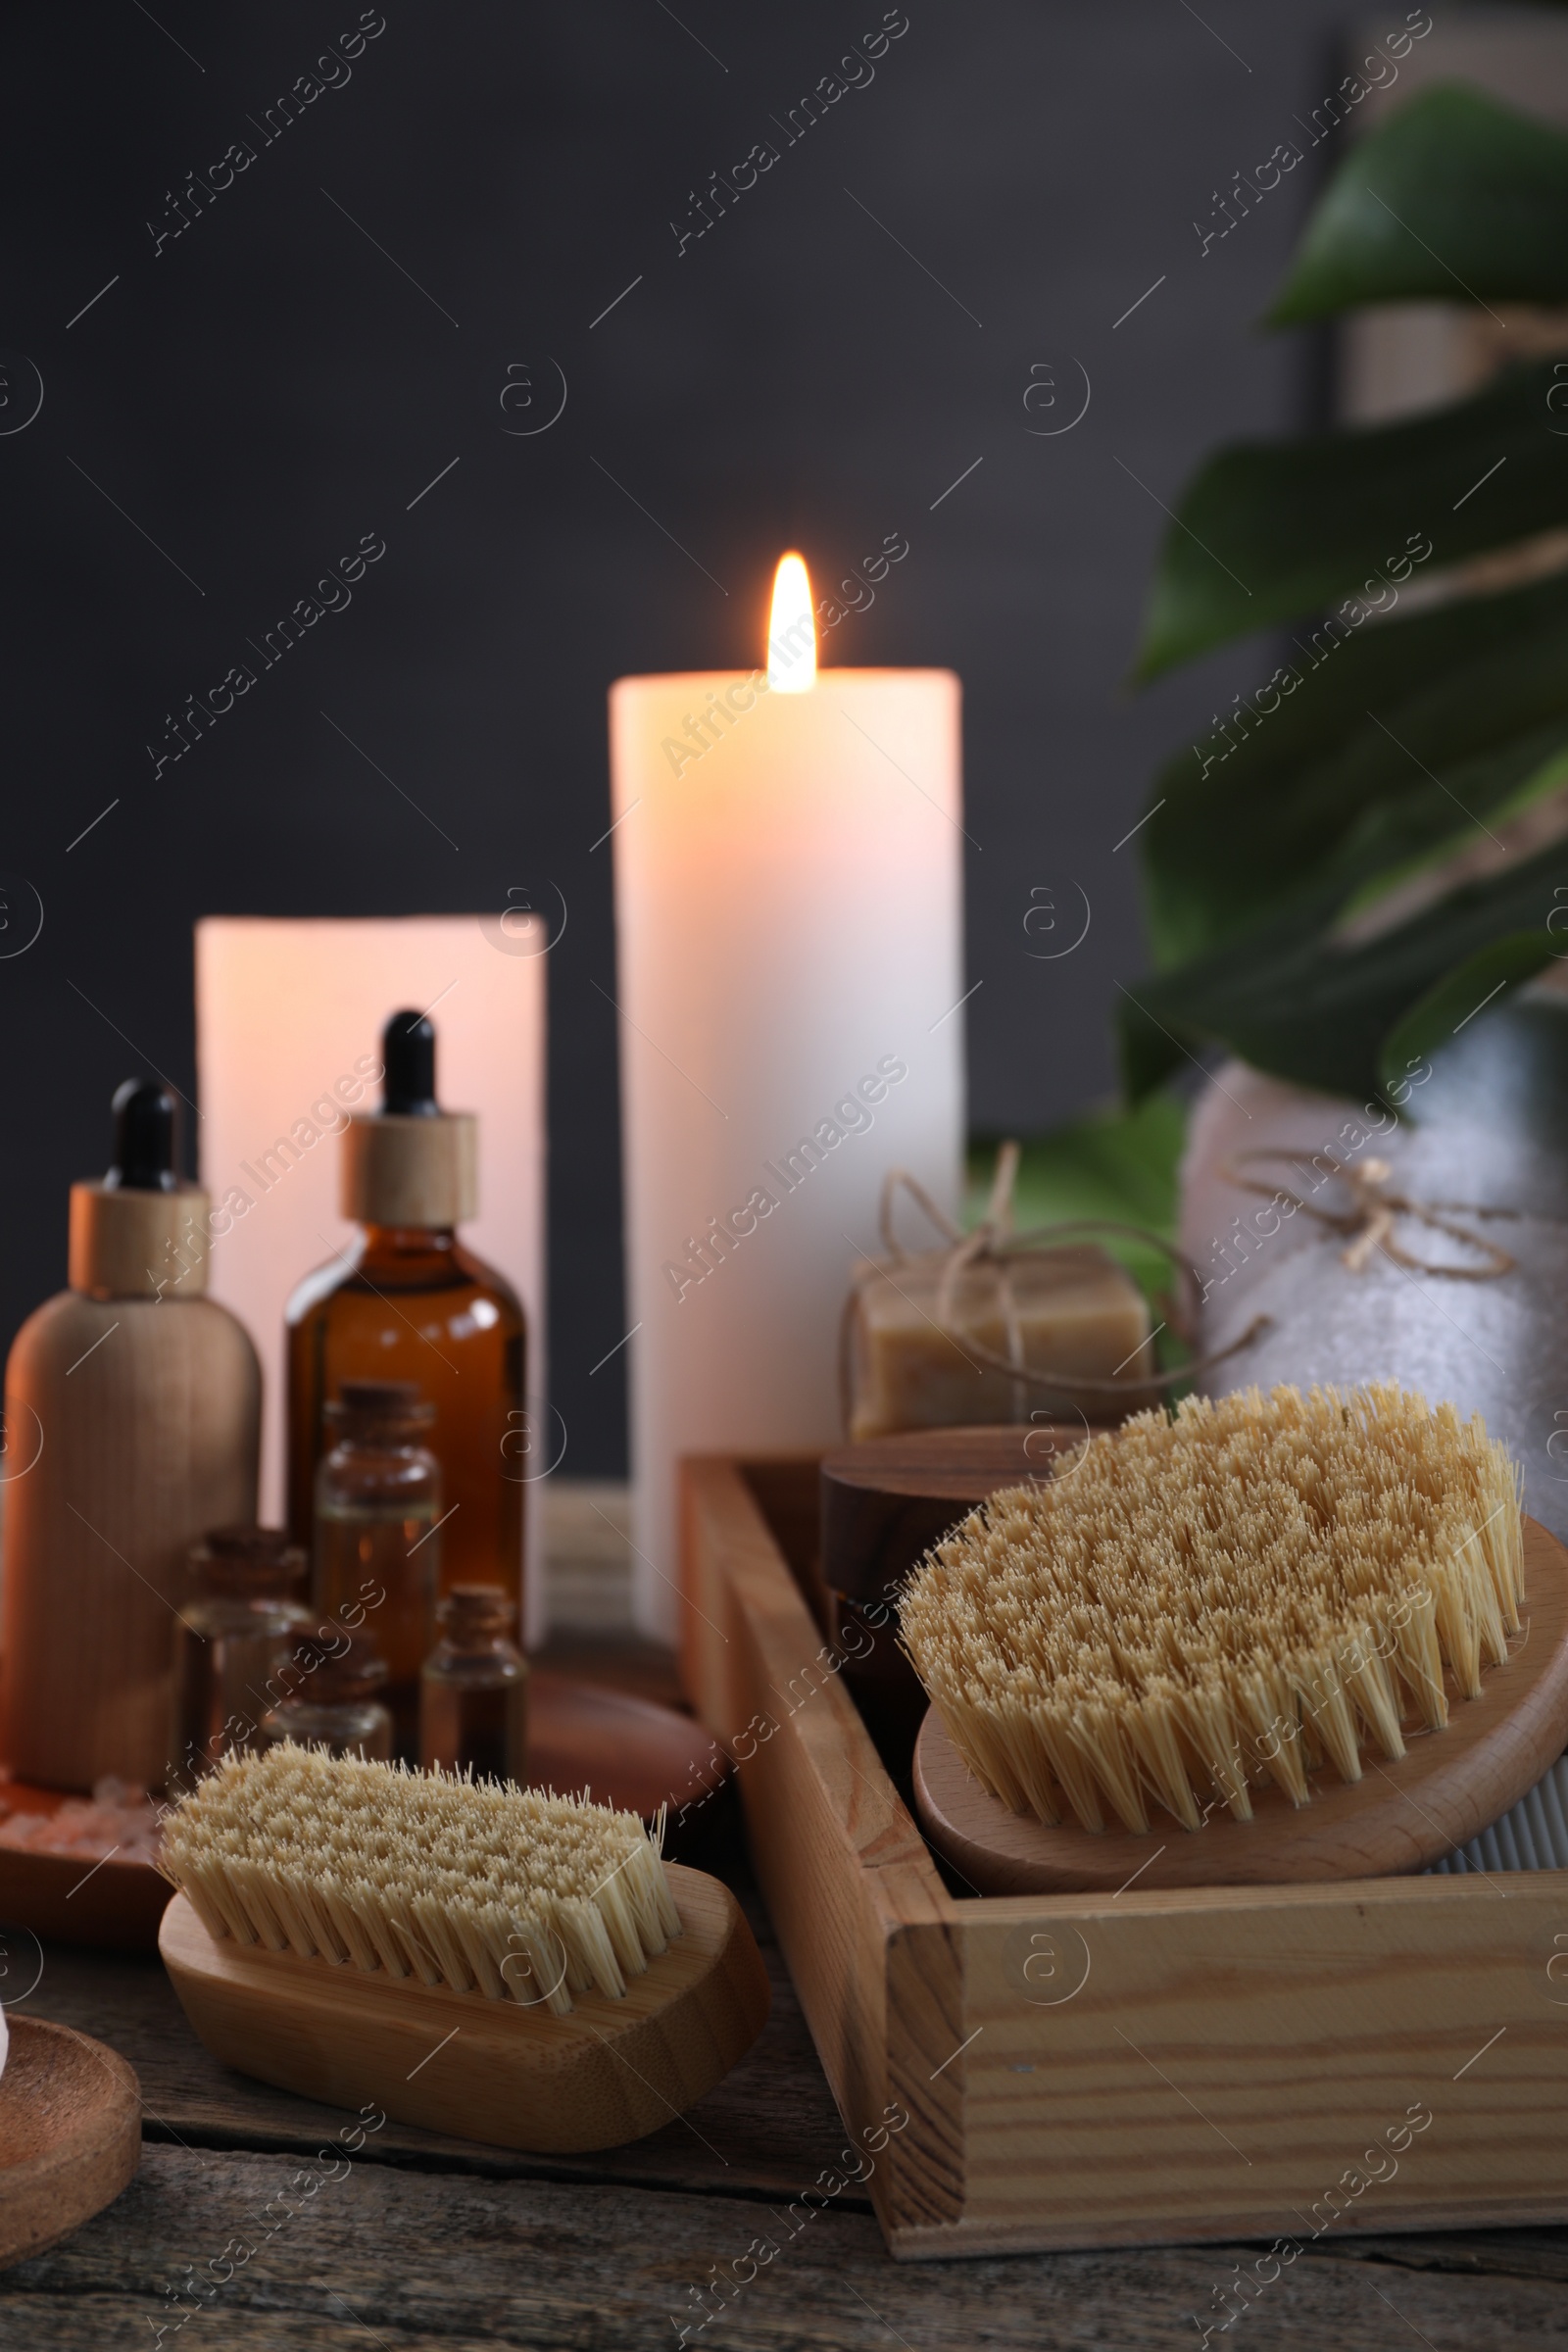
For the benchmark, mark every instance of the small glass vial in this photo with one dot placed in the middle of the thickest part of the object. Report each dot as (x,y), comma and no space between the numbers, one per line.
(377,1509)
(473,1693)
(231,1638)
(332,1702)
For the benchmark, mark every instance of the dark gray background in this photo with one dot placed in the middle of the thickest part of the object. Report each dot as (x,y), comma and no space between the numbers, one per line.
(271,386)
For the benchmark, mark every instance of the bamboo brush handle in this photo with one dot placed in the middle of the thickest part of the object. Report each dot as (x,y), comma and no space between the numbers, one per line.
(609,2071)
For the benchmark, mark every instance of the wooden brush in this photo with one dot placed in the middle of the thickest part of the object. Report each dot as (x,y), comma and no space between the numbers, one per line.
(502,1963)
(1195,1607)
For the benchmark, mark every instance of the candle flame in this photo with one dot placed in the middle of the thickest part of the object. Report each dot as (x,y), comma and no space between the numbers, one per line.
(791,629)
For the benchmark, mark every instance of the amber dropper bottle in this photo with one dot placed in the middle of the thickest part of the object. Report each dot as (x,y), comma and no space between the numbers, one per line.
(407,1301)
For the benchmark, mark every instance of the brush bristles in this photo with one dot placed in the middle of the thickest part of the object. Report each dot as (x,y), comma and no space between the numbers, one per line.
(504,1892)
(1253,1588)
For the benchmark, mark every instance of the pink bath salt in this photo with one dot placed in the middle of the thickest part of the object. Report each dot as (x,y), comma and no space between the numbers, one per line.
(116,1821)
(18,1829)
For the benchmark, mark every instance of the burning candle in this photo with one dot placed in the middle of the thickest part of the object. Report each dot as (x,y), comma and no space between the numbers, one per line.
(789,927)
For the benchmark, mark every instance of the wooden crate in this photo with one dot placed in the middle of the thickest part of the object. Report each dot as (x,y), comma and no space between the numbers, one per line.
(1373,2055)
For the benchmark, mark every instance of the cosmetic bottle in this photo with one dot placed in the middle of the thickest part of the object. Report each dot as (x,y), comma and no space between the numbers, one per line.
(331,1701)
(131,1424)
(378,1515)
(234,1631)
(407,1301)
(473,1695)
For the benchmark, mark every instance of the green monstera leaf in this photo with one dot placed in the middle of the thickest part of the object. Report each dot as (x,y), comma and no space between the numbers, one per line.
(1456,198)
(1383,740)
(1362,756)
(1289,997)
(1270,530)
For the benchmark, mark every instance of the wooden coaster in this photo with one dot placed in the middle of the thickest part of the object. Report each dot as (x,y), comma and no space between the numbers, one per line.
(70,2134)
(510,2075)
(1399,1817)
(629,1753)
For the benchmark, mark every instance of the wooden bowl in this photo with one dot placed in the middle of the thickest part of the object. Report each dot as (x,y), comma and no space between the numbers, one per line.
(70,2134)
(114,1906)
(887,1500)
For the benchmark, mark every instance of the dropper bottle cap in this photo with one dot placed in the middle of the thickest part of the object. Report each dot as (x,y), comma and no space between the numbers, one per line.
(410,1164)
(408,1056)
(140,1231)
(146,1139)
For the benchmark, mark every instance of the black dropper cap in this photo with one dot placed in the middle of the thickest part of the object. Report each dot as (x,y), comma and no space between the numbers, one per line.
(146,1139)
(408,1054)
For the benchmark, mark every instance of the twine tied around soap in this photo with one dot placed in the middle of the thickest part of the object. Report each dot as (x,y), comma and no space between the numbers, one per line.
(994,1242)
(1375,1210)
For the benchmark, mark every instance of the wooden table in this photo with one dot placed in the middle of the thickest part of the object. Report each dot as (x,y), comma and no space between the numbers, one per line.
(427,2244)
(430,2242)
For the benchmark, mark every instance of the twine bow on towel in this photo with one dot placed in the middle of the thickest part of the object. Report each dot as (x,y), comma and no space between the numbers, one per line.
(1375,1210)
(994,1243)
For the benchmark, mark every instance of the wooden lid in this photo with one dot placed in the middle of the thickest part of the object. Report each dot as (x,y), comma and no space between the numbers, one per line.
(888,1499)
(127,1244)
(404,1170)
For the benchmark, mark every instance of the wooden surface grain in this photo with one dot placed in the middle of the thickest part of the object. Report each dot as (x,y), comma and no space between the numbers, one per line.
(430,2245)
(429,2242)
(419,2261)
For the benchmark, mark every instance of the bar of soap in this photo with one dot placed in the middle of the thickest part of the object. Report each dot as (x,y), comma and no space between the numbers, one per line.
(1069,1310)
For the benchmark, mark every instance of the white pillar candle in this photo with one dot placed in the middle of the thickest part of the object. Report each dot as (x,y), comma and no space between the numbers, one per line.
(789,929)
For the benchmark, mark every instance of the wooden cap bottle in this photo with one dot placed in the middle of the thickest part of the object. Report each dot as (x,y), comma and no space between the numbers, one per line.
(139,1232)
(132,1420)
(410,1164)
